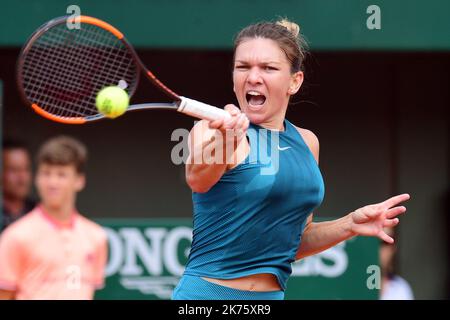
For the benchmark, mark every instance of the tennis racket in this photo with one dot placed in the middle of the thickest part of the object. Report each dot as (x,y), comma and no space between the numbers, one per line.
(60,71)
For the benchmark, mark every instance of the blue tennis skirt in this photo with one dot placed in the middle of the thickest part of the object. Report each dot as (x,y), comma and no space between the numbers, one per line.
(196,288)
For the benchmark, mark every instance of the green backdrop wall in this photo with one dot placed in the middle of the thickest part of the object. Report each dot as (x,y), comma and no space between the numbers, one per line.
(328,25)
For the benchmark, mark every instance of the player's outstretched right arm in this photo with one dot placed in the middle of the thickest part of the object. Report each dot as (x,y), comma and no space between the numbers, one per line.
(212,149)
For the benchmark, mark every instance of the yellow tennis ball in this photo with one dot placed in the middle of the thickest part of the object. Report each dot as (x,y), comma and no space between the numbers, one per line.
(112,101)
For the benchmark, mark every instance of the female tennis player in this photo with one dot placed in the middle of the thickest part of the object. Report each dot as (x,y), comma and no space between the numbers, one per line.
(249,226)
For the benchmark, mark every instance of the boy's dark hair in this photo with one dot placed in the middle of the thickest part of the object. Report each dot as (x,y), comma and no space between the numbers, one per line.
(63,150)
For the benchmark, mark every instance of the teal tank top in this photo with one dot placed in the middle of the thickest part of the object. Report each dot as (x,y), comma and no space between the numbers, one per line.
(251,221)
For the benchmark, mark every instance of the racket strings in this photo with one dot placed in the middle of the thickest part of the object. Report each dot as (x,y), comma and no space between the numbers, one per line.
(65,69)
(49,82)
(90,66)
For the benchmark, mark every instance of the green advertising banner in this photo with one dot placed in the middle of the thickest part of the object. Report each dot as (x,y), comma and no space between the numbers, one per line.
(147,258)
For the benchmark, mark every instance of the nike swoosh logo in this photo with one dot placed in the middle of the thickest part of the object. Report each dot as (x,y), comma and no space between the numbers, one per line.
(284,148)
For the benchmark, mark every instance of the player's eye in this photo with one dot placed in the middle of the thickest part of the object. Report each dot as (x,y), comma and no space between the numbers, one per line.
(241,67)
(62,174)
(270,68)
(45,173)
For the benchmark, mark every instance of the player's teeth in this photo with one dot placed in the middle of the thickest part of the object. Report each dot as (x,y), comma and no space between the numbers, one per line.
(255,98)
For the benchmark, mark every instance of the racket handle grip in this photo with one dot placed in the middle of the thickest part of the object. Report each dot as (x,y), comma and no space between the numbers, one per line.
(201,110)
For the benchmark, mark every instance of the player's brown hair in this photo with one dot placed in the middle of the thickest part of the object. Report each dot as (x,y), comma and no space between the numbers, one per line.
(63,150)
(285,33)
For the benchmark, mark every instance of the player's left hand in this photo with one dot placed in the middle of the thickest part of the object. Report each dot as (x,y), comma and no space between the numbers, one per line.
(371,219)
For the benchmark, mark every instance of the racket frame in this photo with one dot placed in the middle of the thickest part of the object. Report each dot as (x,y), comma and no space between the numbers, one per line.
(185,105)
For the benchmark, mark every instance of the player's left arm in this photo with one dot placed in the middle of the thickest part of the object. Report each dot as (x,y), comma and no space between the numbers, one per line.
(367,221)
(319,236)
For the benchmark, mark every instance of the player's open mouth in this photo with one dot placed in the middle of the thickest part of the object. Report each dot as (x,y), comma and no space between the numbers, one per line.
(255,99)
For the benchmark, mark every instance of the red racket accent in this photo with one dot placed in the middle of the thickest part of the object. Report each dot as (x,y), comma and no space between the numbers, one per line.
(97,22)
(52,117)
